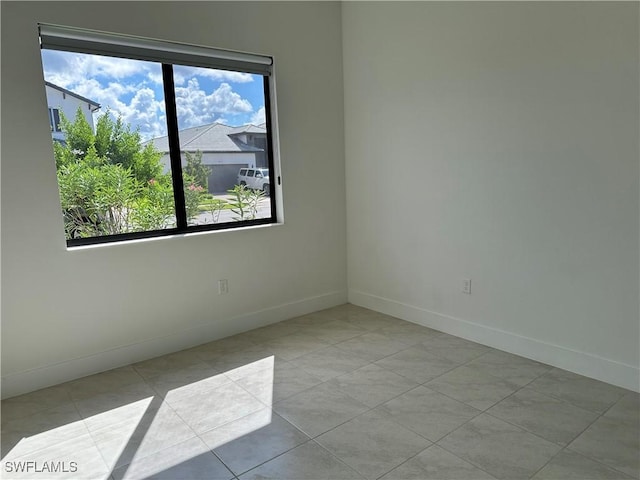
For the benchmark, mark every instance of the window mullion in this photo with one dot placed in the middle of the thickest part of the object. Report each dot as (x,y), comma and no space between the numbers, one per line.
(270,161)
(174,146)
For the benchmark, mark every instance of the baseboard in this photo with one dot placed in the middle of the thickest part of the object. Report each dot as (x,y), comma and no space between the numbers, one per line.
(582,363)
(48,375)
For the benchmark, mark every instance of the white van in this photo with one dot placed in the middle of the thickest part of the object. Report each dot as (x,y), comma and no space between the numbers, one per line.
(255,178)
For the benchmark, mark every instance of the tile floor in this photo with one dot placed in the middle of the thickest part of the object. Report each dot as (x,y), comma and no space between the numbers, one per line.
(339,394)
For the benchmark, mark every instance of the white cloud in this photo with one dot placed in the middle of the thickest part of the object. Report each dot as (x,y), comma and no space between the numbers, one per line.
(143,111)
(108,96)
(225,100)
(65,68)
(195,107)
(146,112)
(155,77)
(259,116)
(181,73)
(118,68)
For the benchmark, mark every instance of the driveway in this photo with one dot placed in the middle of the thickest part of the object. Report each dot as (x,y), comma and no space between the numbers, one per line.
(226,215)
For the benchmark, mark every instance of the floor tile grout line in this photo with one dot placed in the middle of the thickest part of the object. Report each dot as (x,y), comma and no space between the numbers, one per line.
(44,409)
(369,409)
(313,437)
(425,384)
(353,398)
(557,397)
(486,413)
(480,412)
(398,373)
(469,461)
(309,440)
(464,460)
(337,375)
(554,398)
(195,435)
(343,374)
(437,442)
(525,430)
(81,419)
(458,365)
(127,465)
(174,370)
(567,449)
(562,447)
(408,459)
(110,468)
(548,462)
(338,458)
(24,416)
(212,451)
(199,435)
(600,416)
(163,401)
(267,406)
(615,469)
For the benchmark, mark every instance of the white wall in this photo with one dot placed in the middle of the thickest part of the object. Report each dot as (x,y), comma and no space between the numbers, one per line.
(68,105)
(69,313)
(498,142)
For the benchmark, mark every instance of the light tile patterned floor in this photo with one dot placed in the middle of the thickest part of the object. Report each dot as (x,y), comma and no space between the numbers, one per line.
(345,393)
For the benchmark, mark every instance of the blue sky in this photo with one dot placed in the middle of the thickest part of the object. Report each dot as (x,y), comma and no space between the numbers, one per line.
(133,89)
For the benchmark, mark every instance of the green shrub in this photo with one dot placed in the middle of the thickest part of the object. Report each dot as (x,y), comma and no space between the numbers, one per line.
(109,183)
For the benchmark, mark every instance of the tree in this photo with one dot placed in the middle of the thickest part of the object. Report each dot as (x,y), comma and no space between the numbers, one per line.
(109,182)
(196,170)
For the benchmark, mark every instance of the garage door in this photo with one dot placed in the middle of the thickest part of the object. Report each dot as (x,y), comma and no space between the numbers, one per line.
(223,177)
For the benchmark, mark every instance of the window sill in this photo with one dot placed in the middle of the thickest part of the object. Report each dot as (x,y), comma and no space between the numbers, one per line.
(171,237)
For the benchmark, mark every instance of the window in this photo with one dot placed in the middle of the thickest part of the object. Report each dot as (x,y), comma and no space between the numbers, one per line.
(54,119)
(164,153)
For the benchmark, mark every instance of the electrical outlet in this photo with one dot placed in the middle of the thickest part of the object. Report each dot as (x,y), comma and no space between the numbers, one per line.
(466,286)
(223,286)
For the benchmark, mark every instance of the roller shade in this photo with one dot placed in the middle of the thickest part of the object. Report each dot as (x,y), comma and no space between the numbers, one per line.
(80,40)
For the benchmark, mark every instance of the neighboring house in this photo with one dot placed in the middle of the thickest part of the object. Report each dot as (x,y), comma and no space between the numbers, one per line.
(224,149)
(62,100)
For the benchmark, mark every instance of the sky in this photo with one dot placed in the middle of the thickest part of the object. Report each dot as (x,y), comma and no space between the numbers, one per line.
(133,90)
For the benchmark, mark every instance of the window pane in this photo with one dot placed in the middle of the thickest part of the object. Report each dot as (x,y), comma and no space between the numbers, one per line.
(112,179)
(222,129)
(55,119)
(51,122)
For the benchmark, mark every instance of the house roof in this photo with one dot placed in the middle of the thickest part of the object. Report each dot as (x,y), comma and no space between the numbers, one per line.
(214,137)
(249,128)
(69,92)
